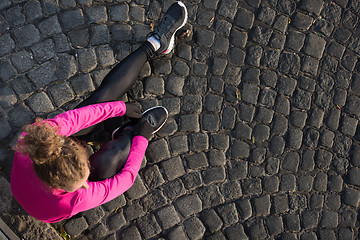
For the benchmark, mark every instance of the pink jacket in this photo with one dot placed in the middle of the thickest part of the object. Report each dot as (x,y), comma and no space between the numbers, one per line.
(53,205)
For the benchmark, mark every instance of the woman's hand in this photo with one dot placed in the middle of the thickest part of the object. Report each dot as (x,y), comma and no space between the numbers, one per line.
(132,111)
(143,128)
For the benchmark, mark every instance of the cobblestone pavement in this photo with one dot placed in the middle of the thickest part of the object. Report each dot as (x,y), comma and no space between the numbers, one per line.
(263,137)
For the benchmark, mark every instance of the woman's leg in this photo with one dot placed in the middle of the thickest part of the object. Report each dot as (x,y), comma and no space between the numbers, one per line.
(122,77)
(119,80)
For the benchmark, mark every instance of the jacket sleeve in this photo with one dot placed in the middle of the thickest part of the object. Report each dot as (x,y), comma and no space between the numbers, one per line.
(104,191)
(72,121)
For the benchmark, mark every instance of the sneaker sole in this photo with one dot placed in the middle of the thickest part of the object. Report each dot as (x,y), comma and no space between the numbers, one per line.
(167,115)
(172,39)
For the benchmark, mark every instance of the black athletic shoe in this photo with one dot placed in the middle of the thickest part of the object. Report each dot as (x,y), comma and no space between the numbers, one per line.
(174,19)
(156,117)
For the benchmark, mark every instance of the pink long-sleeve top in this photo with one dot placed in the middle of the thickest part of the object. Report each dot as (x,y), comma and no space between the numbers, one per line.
(53,205)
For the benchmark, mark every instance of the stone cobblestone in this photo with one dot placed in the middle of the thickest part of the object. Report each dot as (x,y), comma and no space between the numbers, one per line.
(262,137)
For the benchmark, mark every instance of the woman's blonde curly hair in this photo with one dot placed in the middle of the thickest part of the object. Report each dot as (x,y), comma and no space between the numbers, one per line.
(58,160)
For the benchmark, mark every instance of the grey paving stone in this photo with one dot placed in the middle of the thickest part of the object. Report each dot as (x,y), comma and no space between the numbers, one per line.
(99,35)
(72,18)
(228,117)
(94,215)
(274,224)
(119,13)
(210,196)
(348,218)
(22,87)
(333,201)
(211,220)
(196,161)
(292,222)
(181,68)
(40,103)
(14,16)
(131,232)
(188,205)
(240,149)
(220,141)
(76,226)
(82,84)
(342,145)
(205,38)
(335,183)
(289,63)
(305,183)
(61,94)
(5,128)
(33,10)
(287,7)
(282,106)
(8,97)
(116,221)
(214,175)
(43,51)
(148,226)
(253,56)
(280,125)
(199,141)
(20,115)
(173,168)
(323,159)
(221,45)
(256,229)
(288,183)
(280,203)
(320,182)
(7,44)
(168,217)
(155,85)
(251,187)
(154,200)
(211,122)
(61,43)
(189,123)
(341,164)
(194,228)
(153,177)
(172,105)
(314,46)
(27,35)
(133,211)
(244,18)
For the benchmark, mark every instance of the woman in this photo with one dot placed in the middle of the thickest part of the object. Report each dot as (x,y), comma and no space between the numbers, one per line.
(50,171)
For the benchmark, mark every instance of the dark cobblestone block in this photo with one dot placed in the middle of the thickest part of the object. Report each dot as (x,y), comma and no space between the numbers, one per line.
(137,13)
(61,94)
(329,64)
(7,44)
(189,123)
(40,103)
(155,85)
(326,81)
(194,228)
(351,197)
(295,40)
(342,145)
(213,103)
(271,184)
(291,162)
(14,16)
(286,85)
(65,67)
(251,75)
(298,118)
(289,63)
(282,105)
(329,219)
(249,93)
(342,79)
(131,232)
(314,46)
(333,118)
(99,35)
(280,125)
(340,97)
(348,218)
(324,27)
(274,225)
(311,138)
(158,151)
(214,175)
(200,69)
(137,190)
(261,35)
(258,155)
(173,168)
(105,56)
(72,18)
(264,115)
(272,165)
(174,189)
(153,177)
(323,159)
(206,18)
(204,37)
(251,187)
(277,40)
(148,226)
(262,205)
(27,35)
(244,18)
(181,68)
(287,7)
(267,97)
(268,78)
(211,122)
(302,21)
(220,141)
(87,59)
(82,84)
(168,217)
(216,158)
(61,43)
(22,87)
(348,125)
(335,183)
(43,51)
(266,15)
(231,190)
(197,161)
(116,222)
(174,85)
(210,196)
(270,59)
(294,138)
(94,215)
(242,131)
(281,23)
(256,229)
(76,226)
(320,182)
(345,233)
(121,32)
(119,13)
(211,220)
(309,218)
(333,201)
(228,213)
(335,49)
(238,169)
(353,176)
(223,27)
(228,117)
(199,141)
(50,7)
(314,7)
(237,56)
(196,85)
(288,183)
(307,84)
(20,115)
(244,208)
(240,149)
(221,45)
(238,38)
(292,222)
(305,183)
(246,112)
(310,65)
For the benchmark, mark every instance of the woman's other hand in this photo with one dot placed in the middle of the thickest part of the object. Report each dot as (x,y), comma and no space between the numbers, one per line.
(132,111)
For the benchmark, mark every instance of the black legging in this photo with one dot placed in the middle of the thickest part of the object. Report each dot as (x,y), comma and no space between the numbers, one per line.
(112,156)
